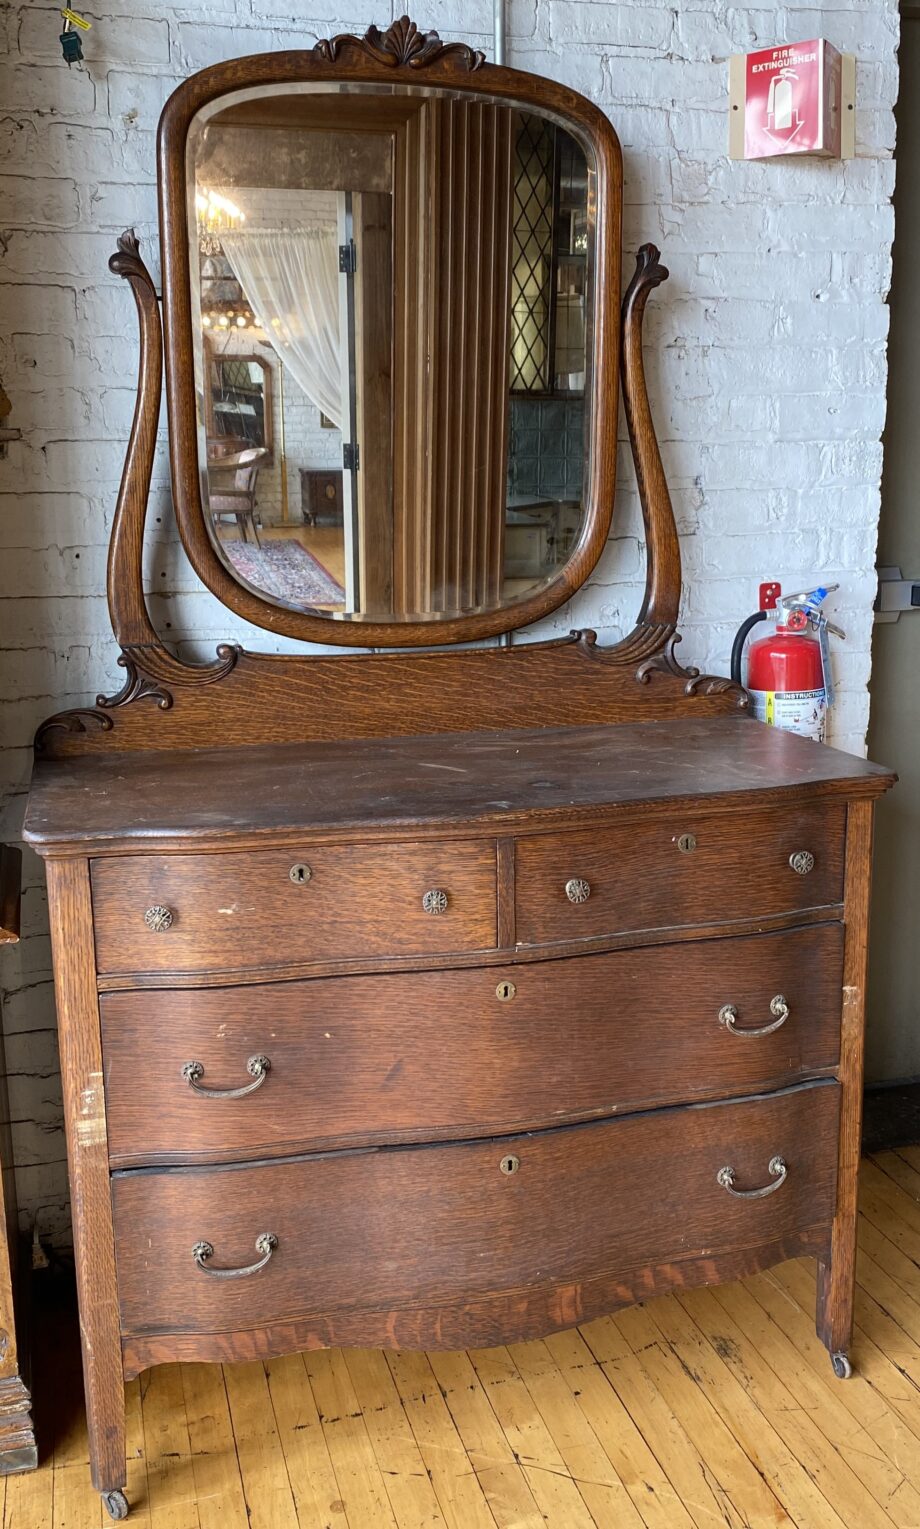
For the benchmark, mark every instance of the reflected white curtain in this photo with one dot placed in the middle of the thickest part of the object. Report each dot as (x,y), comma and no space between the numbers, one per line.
(291,278)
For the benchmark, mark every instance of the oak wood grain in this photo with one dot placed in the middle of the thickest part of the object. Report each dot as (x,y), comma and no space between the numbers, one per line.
(639,877)
(441,1228)
(491,1320)
(256,698)
(70,909)
(498,781)
(663,583)
(837,1274)
(357,1061)
(522,955)
(245,910)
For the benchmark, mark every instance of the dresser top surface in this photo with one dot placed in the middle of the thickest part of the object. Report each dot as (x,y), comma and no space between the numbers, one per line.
(442,782)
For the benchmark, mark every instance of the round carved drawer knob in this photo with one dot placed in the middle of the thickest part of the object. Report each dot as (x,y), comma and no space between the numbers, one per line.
(577,890)
(435,901)
(802,861)
(158,919)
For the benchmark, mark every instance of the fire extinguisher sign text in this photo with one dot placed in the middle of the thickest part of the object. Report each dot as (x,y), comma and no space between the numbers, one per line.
(789,100)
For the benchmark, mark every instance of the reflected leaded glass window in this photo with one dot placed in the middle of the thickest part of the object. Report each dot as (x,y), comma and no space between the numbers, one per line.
(532,255)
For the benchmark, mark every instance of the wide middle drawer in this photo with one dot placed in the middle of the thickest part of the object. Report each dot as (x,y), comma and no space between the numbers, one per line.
(237,911)
(469,1052)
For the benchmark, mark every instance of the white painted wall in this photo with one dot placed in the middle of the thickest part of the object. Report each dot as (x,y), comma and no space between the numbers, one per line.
(767,372)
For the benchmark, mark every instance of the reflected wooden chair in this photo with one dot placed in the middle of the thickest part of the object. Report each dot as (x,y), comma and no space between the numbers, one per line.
(236,499)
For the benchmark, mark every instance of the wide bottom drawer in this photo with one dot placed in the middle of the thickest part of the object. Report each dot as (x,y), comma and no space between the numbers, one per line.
(436,1229)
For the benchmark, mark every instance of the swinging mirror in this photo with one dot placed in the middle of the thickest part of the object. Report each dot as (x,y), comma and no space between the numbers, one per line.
(421,273)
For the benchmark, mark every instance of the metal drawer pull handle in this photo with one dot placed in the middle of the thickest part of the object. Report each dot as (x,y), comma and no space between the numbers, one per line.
(577,890)
(266,1244)
(802,861)
(728,1016)
(435,901)
(158,919)
(258,1068)
(776,1167)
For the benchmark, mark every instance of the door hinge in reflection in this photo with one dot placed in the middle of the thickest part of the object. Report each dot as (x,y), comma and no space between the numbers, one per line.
(351,457)
(348,258)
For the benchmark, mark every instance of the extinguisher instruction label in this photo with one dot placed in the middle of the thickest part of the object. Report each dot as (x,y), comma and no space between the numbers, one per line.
(794,711)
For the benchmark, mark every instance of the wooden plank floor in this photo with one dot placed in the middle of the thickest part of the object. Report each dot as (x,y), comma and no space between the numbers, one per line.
(716,1409)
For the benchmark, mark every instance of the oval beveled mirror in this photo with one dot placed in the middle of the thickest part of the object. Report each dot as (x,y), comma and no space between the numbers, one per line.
(394,302)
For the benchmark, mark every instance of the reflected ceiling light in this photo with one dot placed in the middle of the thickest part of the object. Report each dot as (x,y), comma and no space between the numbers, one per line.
(215,213)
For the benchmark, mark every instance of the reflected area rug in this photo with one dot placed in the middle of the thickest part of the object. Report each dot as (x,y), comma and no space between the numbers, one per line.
(285,570)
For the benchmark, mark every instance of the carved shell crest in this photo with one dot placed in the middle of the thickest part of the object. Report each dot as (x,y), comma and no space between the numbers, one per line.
(402,44)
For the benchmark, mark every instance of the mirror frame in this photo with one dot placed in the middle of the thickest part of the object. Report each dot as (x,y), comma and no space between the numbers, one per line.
(402,55)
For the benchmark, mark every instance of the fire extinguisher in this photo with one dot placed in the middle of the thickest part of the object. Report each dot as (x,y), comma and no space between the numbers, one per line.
(789,675)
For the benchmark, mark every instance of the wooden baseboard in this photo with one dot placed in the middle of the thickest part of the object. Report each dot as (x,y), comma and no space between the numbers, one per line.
(891,1115)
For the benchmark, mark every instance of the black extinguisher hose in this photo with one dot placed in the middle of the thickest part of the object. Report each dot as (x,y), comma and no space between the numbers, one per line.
(740,639)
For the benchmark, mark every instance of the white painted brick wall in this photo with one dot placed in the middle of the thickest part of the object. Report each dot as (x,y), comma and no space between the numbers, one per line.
(768,376)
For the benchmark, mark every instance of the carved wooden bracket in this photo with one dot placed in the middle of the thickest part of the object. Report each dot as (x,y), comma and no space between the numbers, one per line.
(403,44)
(663,580)
(655,635)
(149,664)
(150,668)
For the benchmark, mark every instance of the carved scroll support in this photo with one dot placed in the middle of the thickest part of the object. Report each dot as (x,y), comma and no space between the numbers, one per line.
(127,608)
(663,578)
(655,636)
(150,668)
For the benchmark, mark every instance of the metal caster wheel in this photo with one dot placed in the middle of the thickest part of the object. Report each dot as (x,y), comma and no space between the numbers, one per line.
(842,1367)
(116,1504)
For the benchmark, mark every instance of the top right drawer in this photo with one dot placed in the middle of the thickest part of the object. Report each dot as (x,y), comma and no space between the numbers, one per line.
(678,869)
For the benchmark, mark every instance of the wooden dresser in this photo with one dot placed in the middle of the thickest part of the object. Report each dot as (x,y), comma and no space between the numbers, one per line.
(438,998)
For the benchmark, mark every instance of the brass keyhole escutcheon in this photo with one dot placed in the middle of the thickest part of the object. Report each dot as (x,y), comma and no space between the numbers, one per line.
(505,990)
(510,1164)
(300,874)
(686,844)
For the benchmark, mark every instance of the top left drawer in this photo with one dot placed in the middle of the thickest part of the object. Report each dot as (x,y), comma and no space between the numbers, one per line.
(329,902)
